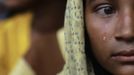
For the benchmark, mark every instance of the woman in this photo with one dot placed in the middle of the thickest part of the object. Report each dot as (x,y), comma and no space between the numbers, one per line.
(109,37)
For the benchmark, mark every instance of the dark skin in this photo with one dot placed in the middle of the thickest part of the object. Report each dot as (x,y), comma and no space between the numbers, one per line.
(50,21)
(44,55)
(110,26)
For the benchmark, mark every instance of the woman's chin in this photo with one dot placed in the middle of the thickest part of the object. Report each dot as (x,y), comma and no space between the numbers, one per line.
(125,70)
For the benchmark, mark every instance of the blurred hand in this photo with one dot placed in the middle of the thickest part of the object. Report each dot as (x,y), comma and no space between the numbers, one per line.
(49,16)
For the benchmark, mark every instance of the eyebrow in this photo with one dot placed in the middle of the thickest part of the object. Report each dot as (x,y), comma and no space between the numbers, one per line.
(100,0)
(92,1)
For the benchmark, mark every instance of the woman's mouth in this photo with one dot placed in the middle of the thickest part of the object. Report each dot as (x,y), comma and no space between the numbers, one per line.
(124,56)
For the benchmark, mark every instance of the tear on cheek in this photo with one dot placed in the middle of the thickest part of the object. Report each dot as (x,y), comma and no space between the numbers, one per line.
(104,38)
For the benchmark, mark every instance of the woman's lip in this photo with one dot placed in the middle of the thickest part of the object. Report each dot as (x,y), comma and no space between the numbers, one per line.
(124,56)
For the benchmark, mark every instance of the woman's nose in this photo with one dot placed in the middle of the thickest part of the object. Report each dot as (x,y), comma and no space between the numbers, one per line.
(125,31)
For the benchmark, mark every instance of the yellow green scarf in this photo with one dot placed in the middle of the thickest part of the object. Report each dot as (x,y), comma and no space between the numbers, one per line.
(74,40)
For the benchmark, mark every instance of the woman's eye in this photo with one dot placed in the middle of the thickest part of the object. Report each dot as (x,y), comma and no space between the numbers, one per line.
(105,10)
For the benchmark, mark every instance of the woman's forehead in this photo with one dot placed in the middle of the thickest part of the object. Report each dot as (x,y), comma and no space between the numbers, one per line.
(101,0)
(111,1)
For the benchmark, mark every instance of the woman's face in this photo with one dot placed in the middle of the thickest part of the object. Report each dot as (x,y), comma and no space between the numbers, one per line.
(110,26)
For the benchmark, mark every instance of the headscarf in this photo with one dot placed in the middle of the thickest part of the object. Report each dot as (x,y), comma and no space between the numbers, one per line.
(74,40)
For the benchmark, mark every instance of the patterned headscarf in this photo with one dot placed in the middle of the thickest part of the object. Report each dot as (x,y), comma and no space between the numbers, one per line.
(74,40)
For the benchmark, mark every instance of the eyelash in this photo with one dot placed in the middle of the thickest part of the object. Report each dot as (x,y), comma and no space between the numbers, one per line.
(102,8)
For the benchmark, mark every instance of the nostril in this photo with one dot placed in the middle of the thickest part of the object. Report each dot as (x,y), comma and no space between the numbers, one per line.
(125,35)
(125,39)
